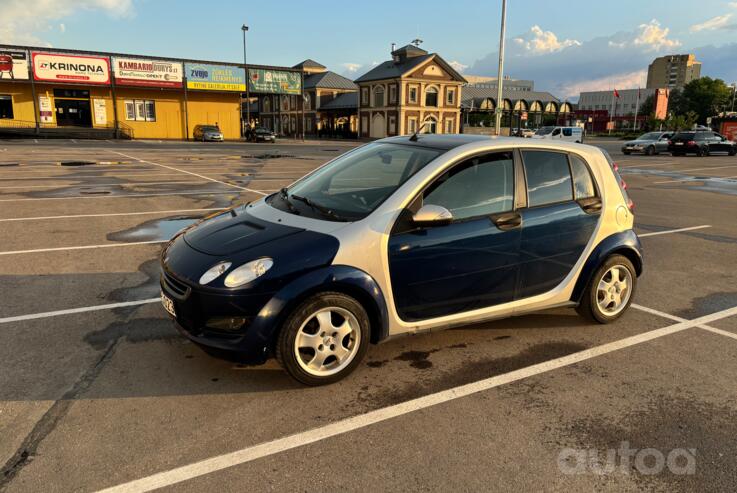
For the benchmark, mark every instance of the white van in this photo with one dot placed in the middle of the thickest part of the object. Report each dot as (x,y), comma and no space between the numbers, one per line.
(570,134)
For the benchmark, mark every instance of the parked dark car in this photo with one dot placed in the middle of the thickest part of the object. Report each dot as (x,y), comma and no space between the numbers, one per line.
(701,143)
(207,132)
(261,134)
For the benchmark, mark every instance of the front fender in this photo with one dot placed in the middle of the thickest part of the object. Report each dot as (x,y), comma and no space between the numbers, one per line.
(341,278)
(624,243)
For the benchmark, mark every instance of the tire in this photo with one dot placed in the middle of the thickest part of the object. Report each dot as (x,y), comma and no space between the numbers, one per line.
(601,283)
(309,321)
(707,152)
(699,152)
(626,153)
(650,151)
(732,152)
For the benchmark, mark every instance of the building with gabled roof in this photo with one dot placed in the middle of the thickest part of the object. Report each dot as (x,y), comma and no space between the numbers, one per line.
(412,91)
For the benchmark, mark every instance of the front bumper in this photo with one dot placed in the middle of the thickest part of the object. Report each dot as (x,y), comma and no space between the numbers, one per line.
(203,317)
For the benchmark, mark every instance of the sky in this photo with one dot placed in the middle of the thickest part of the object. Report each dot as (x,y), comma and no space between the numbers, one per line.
(565,47)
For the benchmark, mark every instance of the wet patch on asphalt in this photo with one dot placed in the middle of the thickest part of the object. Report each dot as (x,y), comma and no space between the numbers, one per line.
(664,424)
(149,288)
(155,229)
(445,378)
(133,331)
(708,304)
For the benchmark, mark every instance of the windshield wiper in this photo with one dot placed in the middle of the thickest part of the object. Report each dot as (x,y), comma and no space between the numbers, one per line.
(285,197)
(322,209)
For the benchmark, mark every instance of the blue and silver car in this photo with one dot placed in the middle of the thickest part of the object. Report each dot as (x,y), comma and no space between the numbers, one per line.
(405,235)
(650,143)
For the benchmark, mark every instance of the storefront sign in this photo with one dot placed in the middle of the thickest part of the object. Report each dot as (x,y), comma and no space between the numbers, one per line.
(100,111)
(71,68)
(215,77)
(150,73)
(13,65)
(274,81)
(45,110)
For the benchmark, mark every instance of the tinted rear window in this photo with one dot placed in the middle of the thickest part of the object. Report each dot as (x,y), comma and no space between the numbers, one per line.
(548,177)
(685,136)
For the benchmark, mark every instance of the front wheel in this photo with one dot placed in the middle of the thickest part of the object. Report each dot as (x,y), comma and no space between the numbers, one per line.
(650,151)
(610,290)
(324,339)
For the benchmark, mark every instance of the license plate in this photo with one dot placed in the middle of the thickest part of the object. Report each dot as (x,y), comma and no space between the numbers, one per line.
(679,143)
(168,305)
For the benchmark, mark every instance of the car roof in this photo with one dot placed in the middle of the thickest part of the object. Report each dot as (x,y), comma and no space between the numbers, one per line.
(437,141)
(449,142)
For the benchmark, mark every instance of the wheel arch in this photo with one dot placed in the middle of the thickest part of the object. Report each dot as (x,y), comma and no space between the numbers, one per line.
(335,278)
(624,243)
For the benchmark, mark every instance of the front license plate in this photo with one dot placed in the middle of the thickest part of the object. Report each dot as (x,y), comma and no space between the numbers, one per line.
(168,305)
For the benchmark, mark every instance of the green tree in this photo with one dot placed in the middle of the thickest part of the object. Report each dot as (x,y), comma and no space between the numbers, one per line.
(647,107)
(705,97)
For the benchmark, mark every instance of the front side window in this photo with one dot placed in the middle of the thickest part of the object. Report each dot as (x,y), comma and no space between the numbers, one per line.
(353,185)
(548,177)
(478,187)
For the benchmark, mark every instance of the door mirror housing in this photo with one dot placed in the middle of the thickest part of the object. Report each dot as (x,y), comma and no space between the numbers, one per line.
(432,215)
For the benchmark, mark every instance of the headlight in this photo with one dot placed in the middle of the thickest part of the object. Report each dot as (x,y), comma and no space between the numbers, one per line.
(248,272)
(214,272)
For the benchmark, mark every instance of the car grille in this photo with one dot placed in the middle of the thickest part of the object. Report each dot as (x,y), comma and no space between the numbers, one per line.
(176,287)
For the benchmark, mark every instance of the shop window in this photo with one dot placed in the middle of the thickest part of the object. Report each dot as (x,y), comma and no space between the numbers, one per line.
(6,107)
(140,110)
(431,96)
(412,94)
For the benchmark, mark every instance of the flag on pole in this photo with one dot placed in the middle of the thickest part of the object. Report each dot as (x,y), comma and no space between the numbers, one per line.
(616,93)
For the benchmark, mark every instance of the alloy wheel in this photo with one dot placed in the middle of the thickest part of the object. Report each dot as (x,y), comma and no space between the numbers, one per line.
(614,290)
(327,341)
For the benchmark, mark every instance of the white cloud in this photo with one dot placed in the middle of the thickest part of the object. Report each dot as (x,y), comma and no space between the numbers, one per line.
(628,80)
(23,21)
(537,41)
(352,67)
(718,22)
(655,38)
(458,66)
(62,28)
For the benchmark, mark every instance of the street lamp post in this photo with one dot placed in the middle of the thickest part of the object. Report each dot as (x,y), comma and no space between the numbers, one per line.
(244,28)
(500,77)
(734,90)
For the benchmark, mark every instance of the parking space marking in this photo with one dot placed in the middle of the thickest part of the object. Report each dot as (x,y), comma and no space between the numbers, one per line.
(695,178)
(129,195)
(705,327)
(189,173)
(719,331)
(82,247)
(111,214)
(104,184)
(266,449)
(70,311)
(671,231)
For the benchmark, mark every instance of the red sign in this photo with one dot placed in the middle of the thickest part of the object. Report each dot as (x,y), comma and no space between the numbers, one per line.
(71,68)
(153,73)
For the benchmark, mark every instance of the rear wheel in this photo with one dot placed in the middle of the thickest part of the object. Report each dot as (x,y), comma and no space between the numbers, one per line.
(610,290)
(732,152)
(699,152)
(324,339)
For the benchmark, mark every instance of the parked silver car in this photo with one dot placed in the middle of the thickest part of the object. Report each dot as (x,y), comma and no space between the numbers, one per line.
(649,143)
(207,132)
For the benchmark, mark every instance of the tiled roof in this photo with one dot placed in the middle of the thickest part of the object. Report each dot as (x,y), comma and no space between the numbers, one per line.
(392,70)
(329,80)
(309,63)
(348,100)
(478,94)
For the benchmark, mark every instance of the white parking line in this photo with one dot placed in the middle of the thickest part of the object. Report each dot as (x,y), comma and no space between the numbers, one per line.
(719,331)
(671,231)
(129,195)
(694,178)
(705,327)
(189,173)
(21,318)
(82,247)
(103,184)
(76,216)
(248,454)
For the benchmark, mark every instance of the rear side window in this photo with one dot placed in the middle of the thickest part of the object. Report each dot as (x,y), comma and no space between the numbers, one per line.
(567,132)
(548,177)
(583,183)
(478,187)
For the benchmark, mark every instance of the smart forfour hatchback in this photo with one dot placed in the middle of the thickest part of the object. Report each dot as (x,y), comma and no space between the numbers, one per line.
(404,235)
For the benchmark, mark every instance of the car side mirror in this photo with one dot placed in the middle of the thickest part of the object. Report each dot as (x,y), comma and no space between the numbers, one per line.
(432,215)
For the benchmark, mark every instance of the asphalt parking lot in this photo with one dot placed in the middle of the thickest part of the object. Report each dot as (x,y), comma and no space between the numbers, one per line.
(97,389)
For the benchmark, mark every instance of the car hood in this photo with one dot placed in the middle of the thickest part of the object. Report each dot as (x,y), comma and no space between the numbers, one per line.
(234,231)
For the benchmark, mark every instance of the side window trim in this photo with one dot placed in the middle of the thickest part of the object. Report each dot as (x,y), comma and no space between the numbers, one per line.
(597,192)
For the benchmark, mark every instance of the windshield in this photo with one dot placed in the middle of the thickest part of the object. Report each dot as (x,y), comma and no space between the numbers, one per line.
(210,129)
(355,184)
(544,130)
(650,136)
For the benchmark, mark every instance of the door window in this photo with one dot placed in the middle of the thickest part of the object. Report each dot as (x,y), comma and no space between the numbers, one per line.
(478,187)
(567,132)
(583,184)
(548,177)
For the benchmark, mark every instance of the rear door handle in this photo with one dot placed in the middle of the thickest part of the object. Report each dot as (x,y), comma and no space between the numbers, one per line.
(507,220)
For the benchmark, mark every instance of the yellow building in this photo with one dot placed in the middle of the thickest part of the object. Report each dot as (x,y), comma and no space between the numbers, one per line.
(52,91)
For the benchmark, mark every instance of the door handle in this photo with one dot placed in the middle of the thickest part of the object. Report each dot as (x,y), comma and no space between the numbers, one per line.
(507,220)
(591,205)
